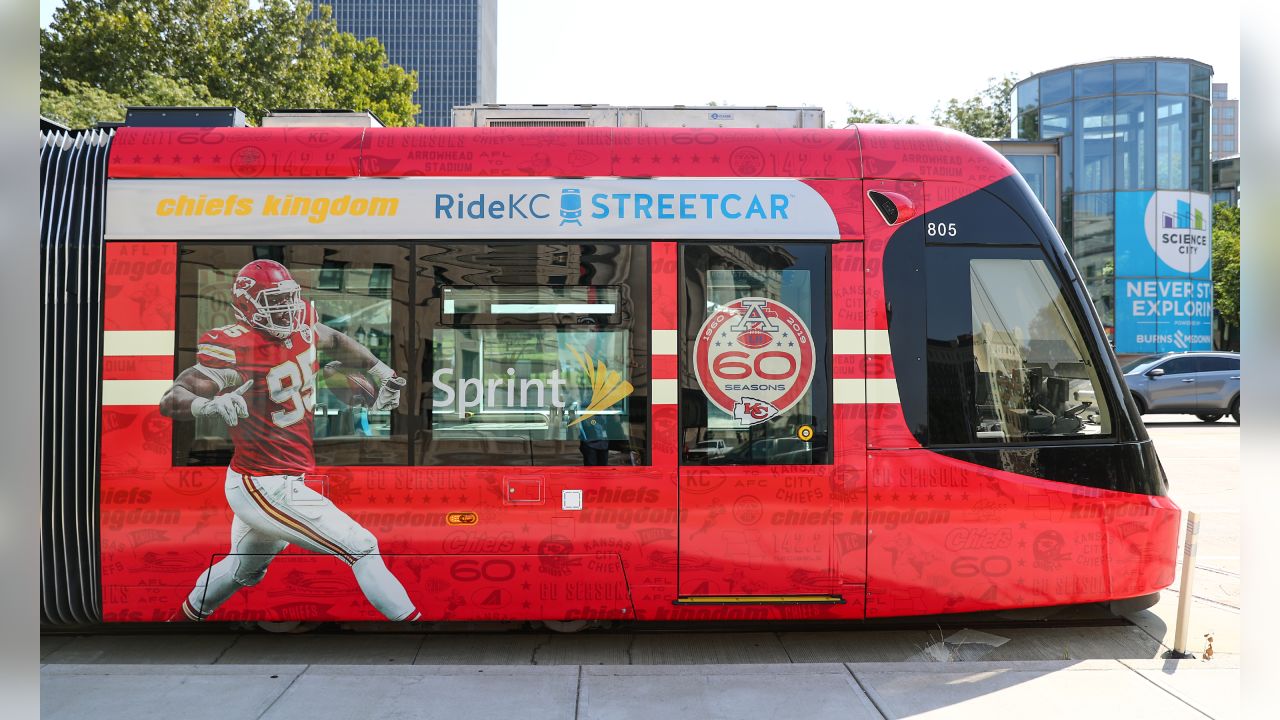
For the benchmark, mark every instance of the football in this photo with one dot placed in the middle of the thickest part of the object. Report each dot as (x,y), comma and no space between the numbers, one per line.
(350,387)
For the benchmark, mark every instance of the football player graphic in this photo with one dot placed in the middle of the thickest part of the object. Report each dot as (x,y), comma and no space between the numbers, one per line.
(258,376)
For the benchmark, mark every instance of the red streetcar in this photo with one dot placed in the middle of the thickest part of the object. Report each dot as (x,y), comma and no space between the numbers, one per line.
(343,374)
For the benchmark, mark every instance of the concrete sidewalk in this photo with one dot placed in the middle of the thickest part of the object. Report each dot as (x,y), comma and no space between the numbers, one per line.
(1128,689)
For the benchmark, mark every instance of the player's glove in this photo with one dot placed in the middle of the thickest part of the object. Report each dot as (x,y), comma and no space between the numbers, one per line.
(389,386)
(228,406)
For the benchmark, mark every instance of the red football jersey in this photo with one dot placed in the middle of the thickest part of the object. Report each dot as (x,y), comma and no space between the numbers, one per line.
(276,437)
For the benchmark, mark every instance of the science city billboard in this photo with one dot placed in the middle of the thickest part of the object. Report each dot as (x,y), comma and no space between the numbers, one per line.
(1164,289)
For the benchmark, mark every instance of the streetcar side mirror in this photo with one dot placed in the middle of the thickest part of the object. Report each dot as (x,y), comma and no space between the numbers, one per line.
(1153,374)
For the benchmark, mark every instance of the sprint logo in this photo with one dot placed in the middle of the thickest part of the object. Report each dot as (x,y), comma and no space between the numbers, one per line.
(607,386)
(464,396)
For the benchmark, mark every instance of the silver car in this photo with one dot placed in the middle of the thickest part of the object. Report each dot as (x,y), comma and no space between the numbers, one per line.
(1204,384)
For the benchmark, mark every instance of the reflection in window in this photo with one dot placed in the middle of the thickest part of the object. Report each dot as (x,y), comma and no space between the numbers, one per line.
(1034,378)
(1135,77)
(1198,159)
(1055,121)
(1012,366)
(1095,80)
(1093,246)
(755,382)
(1172,163)
(1051,187)
(1200,76)
(552,387)
(1093,137)
(1031,168)
(1027,95)
(532,355)
(1055,88)
(1135,142)
(1102,290)
(1173,78)
(1027,126)
(354,292)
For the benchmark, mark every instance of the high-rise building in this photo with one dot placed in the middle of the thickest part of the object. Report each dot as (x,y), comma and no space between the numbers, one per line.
(452,44)
(1134,190)
(1226,123)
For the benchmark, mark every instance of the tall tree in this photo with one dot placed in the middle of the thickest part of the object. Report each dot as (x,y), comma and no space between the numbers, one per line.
(255,55)
(1226,263)
(83,105)
(871,117)
(985,115)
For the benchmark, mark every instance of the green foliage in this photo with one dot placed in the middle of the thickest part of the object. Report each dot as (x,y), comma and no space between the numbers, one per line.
(985,115)
(862,115)
(257,56)
(1226,262)
(83,105)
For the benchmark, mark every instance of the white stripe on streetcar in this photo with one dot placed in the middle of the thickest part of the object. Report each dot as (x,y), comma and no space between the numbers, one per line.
(134,392)
(666,392)
(849,391)
(847,342)
(878,342)
(860,342)
(137,342)
(664,342)
(882,390)
(859,391)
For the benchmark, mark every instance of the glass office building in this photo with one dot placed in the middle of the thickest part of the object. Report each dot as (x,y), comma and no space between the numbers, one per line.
(451,43)
(1134,191)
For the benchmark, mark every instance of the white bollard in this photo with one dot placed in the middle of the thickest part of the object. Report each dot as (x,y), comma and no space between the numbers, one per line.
(1184,588)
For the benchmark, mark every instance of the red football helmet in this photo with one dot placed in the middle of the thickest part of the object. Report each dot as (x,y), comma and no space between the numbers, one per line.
(265,296)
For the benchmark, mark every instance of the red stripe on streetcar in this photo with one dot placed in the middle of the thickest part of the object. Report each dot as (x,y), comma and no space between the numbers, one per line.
(664,367)
(863,366)
(665,283)
(138,367)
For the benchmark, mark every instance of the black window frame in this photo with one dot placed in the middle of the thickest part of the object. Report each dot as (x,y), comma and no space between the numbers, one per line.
(186,310)
(411,426)
(1012,252)
(421,430)
(825,360)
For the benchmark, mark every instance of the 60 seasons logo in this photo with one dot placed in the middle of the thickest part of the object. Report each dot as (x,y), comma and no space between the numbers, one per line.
(754,359)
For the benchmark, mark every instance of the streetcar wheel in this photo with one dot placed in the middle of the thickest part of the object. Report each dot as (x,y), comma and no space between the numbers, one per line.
(1210,417)
(287,627)
(566,626)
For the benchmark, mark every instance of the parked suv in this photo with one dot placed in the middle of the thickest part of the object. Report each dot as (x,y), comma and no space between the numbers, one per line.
(1204,384)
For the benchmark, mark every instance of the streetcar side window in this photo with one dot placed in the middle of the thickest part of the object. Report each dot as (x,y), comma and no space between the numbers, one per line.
(1011,364)
(360,291)
(755,375)
(532,355)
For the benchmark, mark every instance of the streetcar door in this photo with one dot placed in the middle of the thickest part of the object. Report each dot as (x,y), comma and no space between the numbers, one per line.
(757,512)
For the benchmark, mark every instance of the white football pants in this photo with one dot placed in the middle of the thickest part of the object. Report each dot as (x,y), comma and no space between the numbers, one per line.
(272,511)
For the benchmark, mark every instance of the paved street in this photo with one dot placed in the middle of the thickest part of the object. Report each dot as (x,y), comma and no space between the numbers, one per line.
(1203,464)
